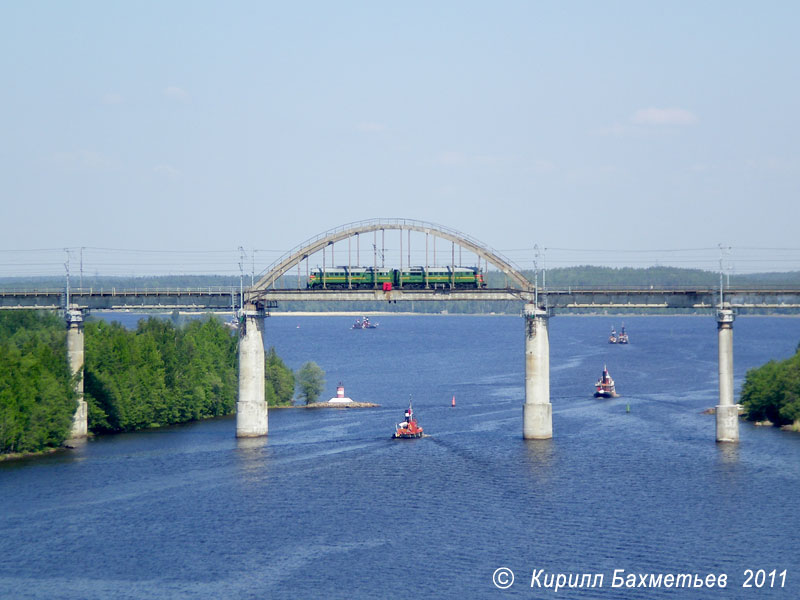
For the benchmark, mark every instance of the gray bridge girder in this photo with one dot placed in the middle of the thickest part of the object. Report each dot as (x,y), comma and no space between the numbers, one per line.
(562,299)
(120,300)
(395,295)
(670,298)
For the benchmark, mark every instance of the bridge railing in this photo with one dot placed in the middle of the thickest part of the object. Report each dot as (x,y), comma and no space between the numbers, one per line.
(557,289)
(377,222)
(113,291)
(678,289)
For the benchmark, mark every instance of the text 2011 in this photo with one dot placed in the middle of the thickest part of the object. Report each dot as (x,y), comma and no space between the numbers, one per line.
(762,578)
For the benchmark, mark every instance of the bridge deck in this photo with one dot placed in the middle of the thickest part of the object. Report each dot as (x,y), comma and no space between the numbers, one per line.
(562,298)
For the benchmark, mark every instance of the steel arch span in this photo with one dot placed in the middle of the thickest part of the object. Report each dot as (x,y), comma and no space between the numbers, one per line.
(316,244)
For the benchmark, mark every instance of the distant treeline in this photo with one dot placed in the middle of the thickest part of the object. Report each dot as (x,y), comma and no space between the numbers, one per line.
(772,391)
(156,375)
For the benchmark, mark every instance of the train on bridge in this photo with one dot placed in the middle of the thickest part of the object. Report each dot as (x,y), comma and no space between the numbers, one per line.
(415,278)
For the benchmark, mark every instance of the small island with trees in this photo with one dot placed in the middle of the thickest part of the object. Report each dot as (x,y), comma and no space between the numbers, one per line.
(771,393)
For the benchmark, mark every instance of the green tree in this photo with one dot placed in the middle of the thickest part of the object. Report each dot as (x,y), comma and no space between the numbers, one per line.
(279,380)
(772,391)
(159,374)
(37,397)
(310,381)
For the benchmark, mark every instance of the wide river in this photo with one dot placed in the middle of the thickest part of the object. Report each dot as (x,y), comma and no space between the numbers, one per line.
(328,506)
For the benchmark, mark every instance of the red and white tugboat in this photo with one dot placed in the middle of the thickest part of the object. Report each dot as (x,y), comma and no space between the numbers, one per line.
(408,428)
(604,388)
(623,337)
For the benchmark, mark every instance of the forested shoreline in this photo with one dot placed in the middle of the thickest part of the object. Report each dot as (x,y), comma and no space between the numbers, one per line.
(771,392)
(156,375)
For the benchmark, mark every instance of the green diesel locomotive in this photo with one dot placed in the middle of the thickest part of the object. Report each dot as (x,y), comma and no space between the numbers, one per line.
(415,278)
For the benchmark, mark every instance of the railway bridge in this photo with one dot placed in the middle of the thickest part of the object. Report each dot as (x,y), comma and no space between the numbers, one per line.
(539,305)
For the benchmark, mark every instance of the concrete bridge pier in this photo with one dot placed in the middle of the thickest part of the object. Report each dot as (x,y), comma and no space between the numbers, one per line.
(80,421)
(537,412)
(251,407)
(727,413)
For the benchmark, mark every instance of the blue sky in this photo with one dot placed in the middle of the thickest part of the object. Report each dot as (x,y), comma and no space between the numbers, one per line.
(592,126)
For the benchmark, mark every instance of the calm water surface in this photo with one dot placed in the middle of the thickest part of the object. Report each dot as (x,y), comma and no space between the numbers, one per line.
(329,507)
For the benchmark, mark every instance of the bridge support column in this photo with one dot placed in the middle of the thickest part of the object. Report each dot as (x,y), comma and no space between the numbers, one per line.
(726,412)
(251,407)
(537,412)
(80,422)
